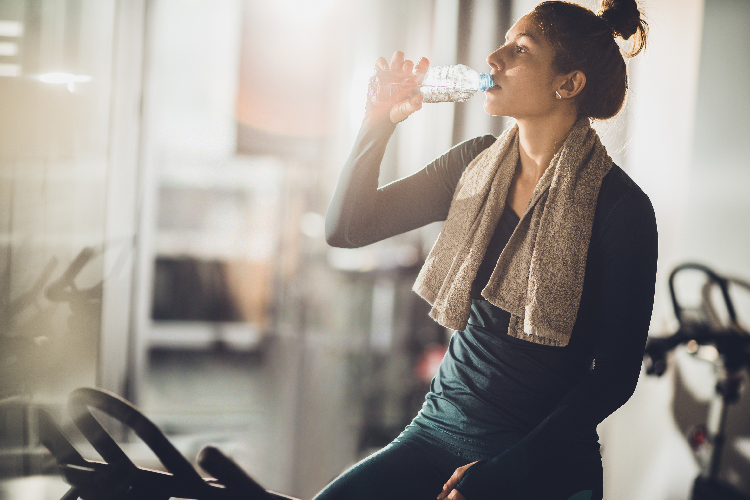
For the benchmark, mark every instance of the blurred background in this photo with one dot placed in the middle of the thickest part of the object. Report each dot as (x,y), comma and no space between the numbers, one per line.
(165,168)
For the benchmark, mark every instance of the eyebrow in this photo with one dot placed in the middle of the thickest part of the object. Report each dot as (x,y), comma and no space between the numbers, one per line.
(522,34)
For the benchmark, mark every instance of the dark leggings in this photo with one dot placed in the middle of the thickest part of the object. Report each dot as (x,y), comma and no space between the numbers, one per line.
(403,471)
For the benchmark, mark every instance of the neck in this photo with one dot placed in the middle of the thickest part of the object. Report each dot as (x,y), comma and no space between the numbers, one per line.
(539,140)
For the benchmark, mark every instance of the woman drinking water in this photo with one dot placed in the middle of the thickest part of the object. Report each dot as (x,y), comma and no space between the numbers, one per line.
(545,269)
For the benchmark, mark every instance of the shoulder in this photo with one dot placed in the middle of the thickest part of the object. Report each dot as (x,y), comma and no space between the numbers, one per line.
(620,201)
(451,165)
(466,151)
(478,144)
(619,193)
(470,149)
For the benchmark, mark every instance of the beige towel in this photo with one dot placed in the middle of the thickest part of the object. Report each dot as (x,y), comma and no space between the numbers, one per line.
(539,275)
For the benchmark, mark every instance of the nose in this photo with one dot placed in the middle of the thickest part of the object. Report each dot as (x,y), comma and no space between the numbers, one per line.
(495,60)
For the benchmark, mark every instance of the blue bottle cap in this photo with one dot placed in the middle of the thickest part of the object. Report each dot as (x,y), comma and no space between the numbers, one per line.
(485,82)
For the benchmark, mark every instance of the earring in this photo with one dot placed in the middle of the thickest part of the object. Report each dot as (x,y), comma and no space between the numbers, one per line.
(558,94)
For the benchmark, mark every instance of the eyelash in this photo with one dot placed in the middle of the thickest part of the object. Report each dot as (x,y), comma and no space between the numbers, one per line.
(520,49)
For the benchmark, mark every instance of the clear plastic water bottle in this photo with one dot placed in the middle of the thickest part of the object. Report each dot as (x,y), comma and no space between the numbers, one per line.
(455,83)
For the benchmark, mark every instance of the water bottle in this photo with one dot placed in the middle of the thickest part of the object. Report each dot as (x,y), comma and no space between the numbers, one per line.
(455,83)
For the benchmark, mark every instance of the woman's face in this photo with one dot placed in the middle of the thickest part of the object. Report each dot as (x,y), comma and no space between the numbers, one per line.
(522,70)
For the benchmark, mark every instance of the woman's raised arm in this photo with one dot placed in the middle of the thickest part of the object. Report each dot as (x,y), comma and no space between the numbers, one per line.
(360,213)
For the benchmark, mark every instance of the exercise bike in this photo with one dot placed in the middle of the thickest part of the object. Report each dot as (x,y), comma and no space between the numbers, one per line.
(699,327)
(118,478)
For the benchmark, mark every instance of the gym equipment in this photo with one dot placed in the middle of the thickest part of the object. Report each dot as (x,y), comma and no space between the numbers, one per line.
(118,478)
(698,327)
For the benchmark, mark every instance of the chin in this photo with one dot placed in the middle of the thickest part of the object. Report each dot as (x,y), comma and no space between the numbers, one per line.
(492,107)
(492,110)
(489,109)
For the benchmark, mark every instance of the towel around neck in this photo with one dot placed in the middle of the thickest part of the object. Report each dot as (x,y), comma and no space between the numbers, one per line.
(539,275)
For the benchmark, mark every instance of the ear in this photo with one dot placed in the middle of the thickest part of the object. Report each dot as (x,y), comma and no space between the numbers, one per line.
(571,84)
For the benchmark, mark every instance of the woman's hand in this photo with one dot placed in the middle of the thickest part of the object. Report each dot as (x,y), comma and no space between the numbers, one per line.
(410,76)
(449,492)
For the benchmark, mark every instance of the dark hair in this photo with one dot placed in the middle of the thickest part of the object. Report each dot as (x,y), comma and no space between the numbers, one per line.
(585,41)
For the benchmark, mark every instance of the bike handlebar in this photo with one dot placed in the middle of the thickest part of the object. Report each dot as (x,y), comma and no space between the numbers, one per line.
(721,282)
(732,342)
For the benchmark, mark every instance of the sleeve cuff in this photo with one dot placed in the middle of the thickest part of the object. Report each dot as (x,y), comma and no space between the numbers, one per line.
(496,477)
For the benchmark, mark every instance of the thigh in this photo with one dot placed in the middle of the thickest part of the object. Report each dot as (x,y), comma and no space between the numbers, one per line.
(576,475)
(397,472)
(584,474)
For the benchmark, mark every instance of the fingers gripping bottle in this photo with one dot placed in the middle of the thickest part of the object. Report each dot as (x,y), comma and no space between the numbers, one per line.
(455,83)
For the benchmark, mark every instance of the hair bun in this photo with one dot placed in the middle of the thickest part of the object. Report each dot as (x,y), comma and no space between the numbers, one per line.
(624,19)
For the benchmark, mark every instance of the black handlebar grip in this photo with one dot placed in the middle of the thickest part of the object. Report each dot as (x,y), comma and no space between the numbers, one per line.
(231,475)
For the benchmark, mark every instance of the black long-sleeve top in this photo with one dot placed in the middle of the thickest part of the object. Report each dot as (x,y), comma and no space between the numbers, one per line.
(523,403)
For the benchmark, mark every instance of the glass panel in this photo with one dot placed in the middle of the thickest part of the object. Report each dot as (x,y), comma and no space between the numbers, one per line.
(56,134)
